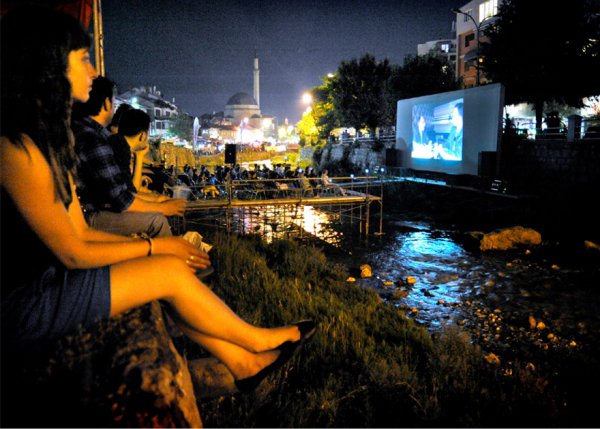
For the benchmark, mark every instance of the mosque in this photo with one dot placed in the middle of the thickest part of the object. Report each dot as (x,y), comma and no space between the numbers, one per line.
(242,120)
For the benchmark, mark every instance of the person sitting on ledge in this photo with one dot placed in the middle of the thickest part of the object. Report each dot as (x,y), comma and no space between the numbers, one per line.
(108,201)
(76,275)
(328,184)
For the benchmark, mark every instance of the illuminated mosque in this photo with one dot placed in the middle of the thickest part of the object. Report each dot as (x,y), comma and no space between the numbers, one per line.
(242,120)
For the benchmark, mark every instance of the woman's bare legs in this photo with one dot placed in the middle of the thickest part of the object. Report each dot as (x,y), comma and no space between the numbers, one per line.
(139,281)
(238,360)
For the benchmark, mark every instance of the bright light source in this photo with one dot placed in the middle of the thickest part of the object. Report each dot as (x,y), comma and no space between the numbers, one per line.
(246,120)
(307,98)
(366,170)
(330,75)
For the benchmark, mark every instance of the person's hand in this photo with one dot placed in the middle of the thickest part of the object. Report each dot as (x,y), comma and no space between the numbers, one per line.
(195,258)
(141,149)
(173,207)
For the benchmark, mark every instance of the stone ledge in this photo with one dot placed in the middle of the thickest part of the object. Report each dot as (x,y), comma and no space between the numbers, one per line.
(124,372)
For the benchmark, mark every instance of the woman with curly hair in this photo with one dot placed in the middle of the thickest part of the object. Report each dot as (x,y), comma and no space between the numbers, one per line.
(76,275)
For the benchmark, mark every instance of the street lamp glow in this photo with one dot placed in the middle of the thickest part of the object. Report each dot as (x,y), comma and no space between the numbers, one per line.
(307,98)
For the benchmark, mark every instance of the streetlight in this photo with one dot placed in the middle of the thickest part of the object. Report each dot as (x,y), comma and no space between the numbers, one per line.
(307,99)
(478,30)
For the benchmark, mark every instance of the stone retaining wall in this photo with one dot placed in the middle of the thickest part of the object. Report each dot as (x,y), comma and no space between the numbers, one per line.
(553,165)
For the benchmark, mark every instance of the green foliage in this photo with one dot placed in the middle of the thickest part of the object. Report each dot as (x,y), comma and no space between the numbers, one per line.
(359,92)
(368,365)
(537,60)
(422,75)
(182,126)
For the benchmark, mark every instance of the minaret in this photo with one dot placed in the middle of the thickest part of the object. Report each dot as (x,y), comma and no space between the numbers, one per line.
(256,81)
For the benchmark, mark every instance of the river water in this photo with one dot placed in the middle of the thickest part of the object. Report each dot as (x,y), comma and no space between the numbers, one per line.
(513,303)
(523,304)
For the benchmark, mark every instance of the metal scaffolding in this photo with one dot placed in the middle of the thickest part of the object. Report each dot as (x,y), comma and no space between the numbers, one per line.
(280,209)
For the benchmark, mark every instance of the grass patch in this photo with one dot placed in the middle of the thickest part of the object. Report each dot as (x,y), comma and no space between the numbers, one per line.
(368,365)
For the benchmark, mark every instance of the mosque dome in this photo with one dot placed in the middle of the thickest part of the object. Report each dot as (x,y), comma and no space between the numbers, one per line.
(241,98)
(240,106)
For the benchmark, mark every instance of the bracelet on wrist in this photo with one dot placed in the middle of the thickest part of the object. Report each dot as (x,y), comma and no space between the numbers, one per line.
(150,246)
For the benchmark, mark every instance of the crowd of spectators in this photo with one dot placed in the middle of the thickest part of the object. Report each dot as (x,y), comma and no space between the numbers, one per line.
(207,183)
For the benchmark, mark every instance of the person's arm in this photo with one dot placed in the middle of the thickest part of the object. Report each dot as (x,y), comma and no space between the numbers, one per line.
(169,207)
(152,197)
(104,171)
(27,178)
(138,166)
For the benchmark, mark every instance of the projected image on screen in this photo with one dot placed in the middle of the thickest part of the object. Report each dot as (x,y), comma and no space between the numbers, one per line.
(438,131)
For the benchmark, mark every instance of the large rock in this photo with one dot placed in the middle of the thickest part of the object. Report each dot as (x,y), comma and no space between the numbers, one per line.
(124,372)
(510,238)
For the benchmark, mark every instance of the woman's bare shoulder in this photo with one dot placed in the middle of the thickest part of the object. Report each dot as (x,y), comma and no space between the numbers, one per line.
(22,155)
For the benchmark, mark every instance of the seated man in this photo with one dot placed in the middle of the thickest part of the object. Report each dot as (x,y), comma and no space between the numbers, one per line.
(105,194)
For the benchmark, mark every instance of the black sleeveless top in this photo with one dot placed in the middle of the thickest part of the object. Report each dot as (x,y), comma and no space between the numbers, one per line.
(23,256)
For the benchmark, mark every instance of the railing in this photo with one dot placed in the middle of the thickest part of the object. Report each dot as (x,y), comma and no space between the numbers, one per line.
(281,188)
(585,128)
(382,139)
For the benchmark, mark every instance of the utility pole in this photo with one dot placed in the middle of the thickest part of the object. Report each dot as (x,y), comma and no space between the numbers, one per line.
(98,37)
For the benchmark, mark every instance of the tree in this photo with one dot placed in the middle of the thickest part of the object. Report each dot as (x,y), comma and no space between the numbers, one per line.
(182,126)
(554,58)
(306,126)
(422,75)
(359,92)
(327,118)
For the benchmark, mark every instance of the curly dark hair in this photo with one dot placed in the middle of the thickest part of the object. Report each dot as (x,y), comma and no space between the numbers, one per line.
(36,94)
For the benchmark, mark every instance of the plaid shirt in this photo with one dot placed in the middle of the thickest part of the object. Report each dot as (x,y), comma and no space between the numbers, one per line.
(101,184)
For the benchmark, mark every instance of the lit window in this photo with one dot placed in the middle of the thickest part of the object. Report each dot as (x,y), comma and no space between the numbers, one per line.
(445,47)
(487,9)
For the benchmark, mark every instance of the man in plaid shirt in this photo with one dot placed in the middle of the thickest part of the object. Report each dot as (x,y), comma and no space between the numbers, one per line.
(104,193)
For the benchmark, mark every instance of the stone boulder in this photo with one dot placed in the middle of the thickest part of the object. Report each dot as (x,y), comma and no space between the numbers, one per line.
(510,238)
(122,373)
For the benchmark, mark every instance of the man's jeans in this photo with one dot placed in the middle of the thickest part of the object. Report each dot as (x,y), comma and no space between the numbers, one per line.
(127,223)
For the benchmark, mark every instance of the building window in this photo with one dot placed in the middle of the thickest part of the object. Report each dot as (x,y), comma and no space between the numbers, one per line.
(467,12)
(487,9)
(445,47)
(156,112)
(468,39)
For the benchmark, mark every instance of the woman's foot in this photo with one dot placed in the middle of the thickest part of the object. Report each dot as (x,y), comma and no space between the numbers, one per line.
(283,354)
(275,337)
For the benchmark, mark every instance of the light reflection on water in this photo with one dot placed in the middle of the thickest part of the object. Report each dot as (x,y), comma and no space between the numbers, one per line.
(435,262)
(274,222)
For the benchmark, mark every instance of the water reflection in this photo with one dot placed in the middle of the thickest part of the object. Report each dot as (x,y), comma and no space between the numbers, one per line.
(499,298)
(293,221)
(437,265)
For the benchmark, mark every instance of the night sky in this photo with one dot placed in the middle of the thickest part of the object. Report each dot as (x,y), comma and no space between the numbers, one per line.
(201,52)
